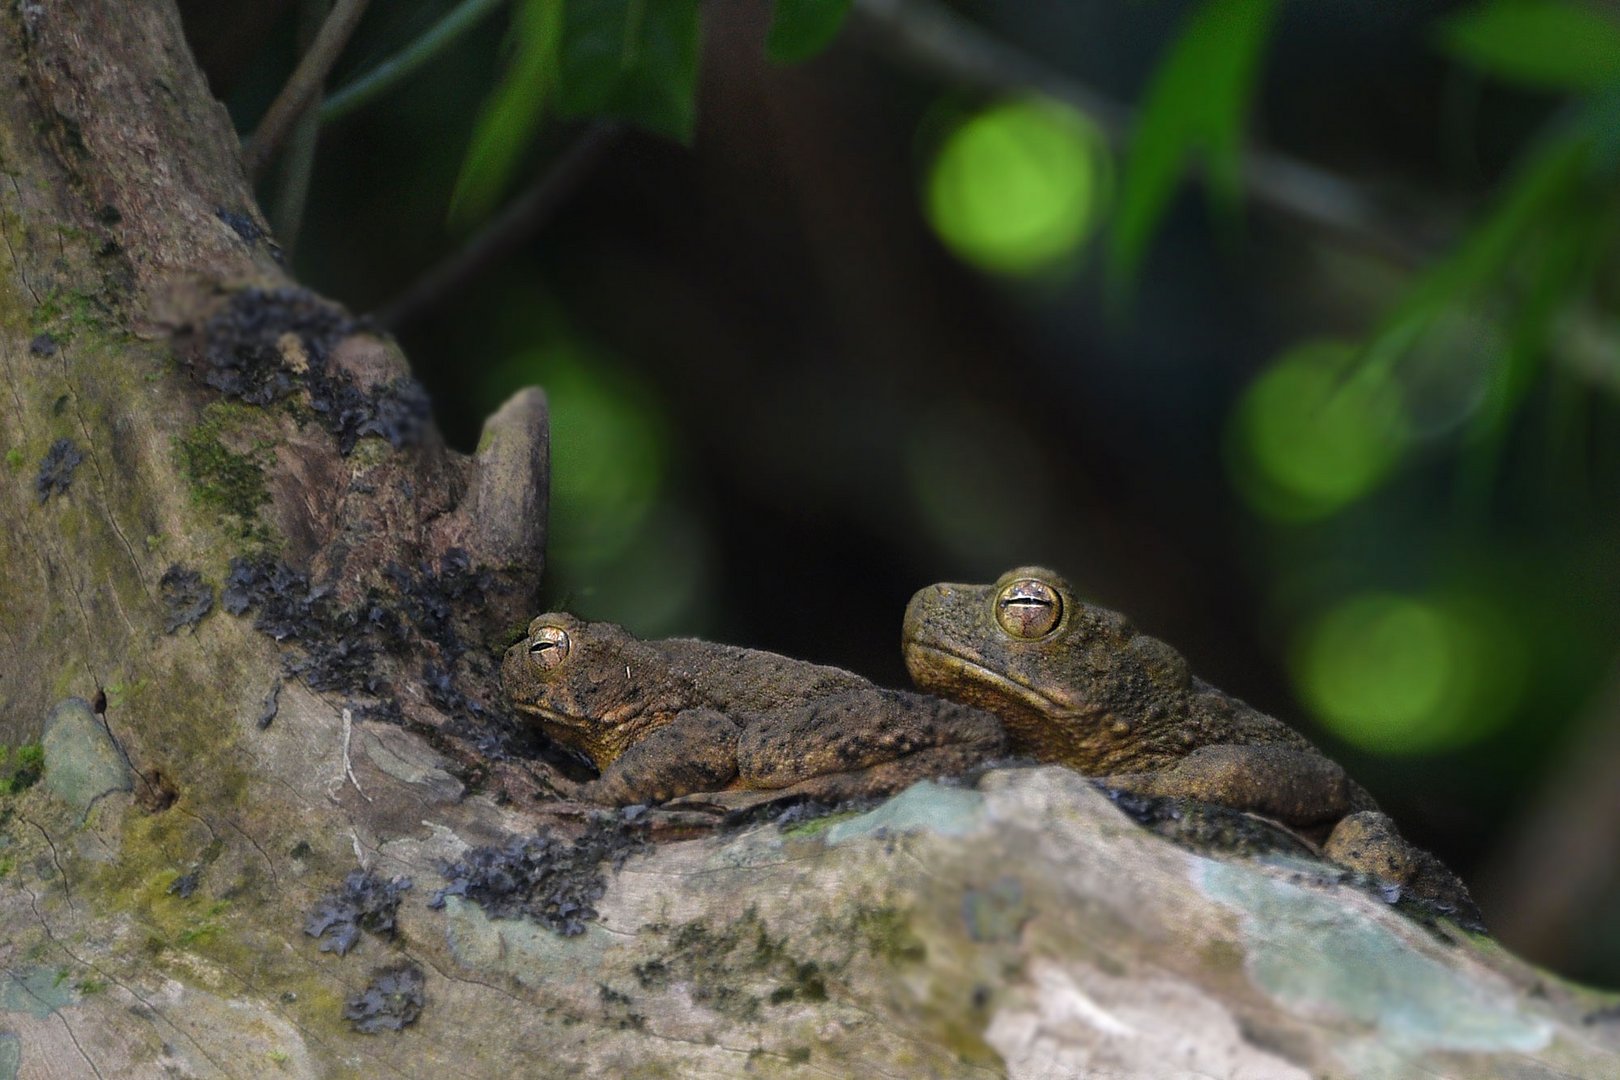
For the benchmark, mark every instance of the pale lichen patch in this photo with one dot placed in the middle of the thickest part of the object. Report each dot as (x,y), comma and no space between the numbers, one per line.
(1080,1022)
(1320,958)
(948,811)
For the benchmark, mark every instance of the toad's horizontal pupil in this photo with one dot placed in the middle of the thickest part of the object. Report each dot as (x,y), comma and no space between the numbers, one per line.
(1027,601)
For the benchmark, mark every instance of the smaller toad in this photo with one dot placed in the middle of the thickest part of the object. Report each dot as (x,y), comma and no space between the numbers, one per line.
(662,719)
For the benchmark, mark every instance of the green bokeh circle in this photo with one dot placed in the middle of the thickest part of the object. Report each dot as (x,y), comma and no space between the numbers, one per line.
(1315,432)
(1019,186)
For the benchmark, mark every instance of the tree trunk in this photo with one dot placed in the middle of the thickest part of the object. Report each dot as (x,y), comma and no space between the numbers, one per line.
(250,605)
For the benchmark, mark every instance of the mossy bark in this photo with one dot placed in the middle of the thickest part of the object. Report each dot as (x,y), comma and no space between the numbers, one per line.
(250,603)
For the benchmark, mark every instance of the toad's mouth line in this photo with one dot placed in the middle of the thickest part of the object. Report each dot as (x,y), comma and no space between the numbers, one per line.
(551,715)
(956,663)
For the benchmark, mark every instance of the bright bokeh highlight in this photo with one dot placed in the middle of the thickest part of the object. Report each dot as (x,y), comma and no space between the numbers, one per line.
(1315,432)
(609,450)
(1401,675)
(1019,186)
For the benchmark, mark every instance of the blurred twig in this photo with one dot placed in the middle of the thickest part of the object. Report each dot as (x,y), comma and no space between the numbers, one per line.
(384,76)
(1544,888)
(303,85)
(505,232)
(299,166)
(928,35)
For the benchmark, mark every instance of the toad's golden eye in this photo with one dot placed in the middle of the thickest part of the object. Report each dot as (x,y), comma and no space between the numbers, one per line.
(549,647)
(1028,608)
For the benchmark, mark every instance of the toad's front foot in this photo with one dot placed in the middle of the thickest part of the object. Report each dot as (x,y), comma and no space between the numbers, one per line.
(1368,842)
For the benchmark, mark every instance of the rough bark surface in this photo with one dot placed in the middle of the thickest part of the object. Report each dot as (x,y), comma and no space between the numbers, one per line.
(249,605)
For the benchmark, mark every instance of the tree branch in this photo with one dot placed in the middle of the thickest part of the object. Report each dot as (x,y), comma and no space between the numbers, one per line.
(299,167)
(504,233)
(302,86)
(387,74)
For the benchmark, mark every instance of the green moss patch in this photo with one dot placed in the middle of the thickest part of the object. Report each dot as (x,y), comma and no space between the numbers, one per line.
(66,314)
(226,481)
(710,959)
(888,935)
(20,767)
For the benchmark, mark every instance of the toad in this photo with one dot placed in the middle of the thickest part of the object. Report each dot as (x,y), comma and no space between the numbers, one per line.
(1078,685)
(663,719)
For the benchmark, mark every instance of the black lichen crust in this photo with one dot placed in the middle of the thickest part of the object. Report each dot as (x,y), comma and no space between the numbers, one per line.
(186,597)
(56,469)
(430,597)
(1207,827)
(365,902)
(1606,1015)
(244,357)
(393,1000)
(272,705)
(347,649)
(1211,829)
(554,882)
(241,224)
(338,646)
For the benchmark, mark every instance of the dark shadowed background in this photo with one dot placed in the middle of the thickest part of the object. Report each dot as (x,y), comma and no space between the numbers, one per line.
(1314,375)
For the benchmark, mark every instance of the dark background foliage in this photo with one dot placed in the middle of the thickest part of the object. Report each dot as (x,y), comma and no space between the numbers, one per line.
(1293,334)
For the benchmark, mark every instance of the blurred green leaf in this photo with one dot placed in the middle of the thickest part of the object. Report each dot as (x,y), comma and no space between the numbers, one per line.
(1195,106)
(632,59)
(1556,268)
(512,114)
(1313,433)
(1547,44)
(1560,263)
(1549,180)
(802,28)
(1532,257)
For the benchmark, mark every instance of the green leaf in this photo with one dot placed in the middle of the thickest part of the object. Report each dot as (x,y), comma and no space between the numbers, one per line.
(802,28)
(1546,44)
(632,59)
(1194,107)
(1540,235)
(512,114)
(1549,179)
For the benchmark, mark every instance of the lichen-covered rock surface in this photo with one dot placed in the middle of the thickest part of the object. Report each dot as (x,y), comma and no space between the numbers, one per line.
(263,811)
(1021,927)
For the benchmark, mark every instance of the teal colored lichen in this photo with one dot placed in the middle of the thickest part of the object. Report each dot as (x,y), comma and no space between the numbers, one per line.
(37,991)
(10,1056)
(937,808)
(1315,956)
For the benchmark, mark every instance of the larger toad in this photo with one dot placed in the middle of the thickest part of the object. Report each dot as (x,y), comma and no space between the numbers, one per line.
(1078,685)
(662,719)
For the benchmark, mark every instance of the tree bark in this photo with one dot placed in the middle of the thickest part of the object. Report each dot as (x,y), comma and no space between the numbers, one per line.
(250,606)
